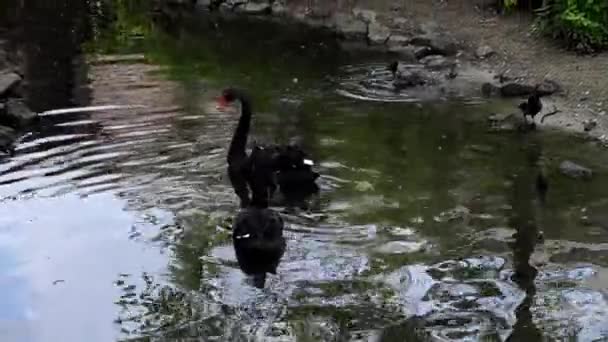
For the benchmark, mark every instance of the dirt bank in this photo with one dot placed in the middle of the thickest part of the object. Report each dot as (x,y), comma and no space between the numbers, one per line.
(501,45)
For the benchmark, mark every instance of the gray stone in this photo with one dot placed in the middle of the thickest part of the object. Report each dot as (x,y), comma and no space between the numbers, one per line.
(398,40)
(278,7)
(484,51)
(365,15)
(401,22)
(436,62)
(349,26)
(439,43)
(422,51)
(231,5)
(574,170)
(516,90)
(8,81)
(588,125)
(378,33)
(549,87)
(17,114)
(254,8)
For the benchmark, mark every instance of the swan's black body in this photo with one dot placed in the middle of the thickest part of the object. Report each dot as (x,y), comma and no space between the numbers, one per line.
(531,107)
(282,166)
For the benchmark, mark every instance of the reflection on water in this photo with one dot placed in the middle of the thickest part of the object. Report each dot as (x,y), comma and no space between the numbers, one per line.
(427,224)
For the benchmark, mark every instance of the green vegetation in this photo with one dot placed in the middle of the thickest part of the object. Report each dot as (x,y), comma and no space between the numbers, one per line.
(582,24)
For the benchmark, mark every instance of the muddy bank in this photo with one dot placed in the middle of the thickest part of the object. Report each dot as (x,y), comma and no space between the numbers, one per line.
(447,36)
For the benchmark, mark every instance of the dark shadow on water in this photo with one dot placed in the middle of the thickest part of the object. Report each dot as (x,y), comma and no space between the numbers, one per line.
(527,200)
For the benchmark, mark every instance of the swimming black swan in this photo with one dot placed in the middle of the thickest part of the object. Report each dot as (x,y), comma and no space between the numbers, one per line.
(285,166)
(407,78)
(257,231)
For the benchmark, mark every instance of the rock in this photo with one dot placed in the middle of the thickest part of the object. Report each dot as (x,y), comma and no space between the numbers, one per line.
(378,33)
(254,8)
(7,138)
(17,114)
(549,87)
(484,51)
(367,16)
(574,170)
(436,62)
(278,8)
(513,89)
(230,5)
(400,23)
(516,90)
(8,81)
(422,51)
(588,125)
(398,40)
(349,26)
(439,43)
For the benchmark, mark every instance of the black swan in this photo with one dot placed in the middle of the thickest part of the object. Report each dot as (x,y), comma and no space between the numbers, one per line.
(257,231)
(285,166)
(531,107)
(407,78)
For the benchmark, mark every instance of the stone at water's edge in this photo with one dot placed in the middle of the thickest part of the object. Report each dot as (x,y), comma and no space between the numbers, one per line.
(349,26)
(422,51)
(545,88)
(484,51)
(8,81)
(439,44)
(254,8)
(16,114)
(378,33)
(516,89)
(574,170)
(436,62)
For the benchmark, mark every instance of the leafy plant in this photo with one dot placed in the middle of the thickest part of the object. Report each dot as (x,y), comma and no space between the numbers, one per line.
(582,24)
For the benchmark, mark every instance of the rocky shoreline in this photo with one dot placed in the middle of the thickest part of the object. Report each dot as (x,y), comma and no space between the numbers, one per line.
(393,28)
(15,116)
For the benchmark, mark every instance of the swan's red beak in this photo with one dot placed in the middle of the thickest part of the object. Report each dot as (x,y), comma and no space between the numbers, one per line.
(221,103)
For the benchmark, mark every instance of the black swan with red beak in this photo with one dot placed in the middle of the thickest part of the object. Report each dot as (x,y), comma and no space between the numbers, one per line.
(287,167)
(257,231)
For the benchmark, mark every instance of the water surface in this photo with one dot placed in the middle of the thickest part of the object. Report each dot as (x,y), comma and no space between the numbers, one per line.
(113,224)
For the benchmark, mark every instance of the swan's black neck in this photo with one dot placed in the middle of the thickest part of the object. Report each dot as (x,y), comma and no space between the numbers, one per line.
(239,139)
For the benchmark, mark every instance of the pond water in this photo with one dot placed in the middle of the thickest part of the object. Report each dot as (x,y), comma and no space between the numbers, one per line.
(114,224)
